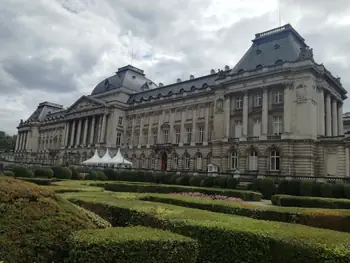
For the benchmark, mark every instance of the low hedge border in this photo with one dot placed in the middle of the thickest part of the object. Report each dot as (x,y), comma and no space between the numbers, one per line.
(132,245)
(162,188)
(328,219)
(303,201)
(225,238)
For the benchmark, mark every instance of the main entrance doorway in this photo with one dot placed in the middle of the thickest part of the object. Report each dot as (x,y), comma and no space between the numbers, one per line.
(164,161)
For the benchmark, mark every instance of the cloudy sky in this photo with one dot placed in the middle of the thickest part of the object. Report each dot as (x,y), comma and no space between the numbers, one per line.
(57,50)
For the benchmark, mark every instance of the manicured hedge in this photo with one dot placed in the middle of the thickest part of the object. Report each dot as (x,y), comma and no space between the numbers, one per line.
(322,218)
(61,172)
(227,238)
(39,181)
(21,171)
(160,188)
(43,173)
(132,245)
(304,201)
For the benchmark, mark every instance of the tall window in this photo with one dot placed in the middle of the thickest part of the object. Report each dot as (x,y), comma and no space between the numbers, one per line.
(146,119)
(177,136)
(186,162)
(155,118)
(189,114)
(138,121)
(238,129)
(145,137)
(209,158)
(200,134)
(166,136)
(257,100)
(175,161)
(239,103)
(198,162)
(119,137)
(144,162)
(178,115)
(120,121)
(189,135)
(277,125)
(154,137)
(274,160)
(167,116)
(201,112)
(234,160)
(137,138)
(253,161)
(256,128)
(277,97)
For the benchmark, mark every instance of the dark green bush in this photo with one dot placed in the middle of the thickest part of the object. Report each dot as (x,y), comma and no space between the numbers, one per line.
(207,181)
(306,188)
(110,173)
(101,176)
(316,189)
(267,188)
(294,187)
(304,201)
(43,173)
(75,174)
(39,181)
(326,190)
(61,172)
(21,171)
(160,177)
(171,179)
(132,245)
(283,187)
(226,238)
(9,173)
(149,177)
(231,183)
(221,181)
(347,190)
(338,191)
(256,185)
(159,188)
(92,175)
(183,180)
(195,180)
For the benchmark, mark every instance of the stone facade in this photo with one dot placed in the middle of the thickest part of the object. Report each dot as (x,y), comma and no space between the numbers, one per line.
(277,112)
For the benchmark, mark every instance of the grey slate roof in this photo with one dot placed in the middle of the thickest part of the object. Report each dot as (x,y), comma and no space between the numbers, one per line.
(129,77)
(272,47)
(175,88)
(45,109)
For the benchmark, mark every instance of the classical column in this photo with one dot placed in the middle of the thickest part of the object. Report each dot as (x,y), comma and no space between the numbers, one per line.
(86,124)
(227,112)
(141,132)
(17,142)
(26,146)
(206,126)
(72,137)
(347,168)
(172,132)
(159,137)
(194,126)
(182,128)
(287,110)
(245,114)
(92,130)
(66,134)
(150,123)
(340,119)
(23,140)
(334,117)
(321,113)
(77,143)
(131,144)
(328,115)
(265,115)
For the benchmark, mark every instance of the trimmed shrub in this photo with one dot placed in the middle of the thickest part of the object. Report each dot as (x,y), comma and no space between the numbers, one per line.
(338,191)
(159,188)
(171,179)
(256,185)
(160,177)
(75,174)
(283,187)
(110,173)
(21,171)
(207,182)
(326,190)
(9,173)
(195,180)
(92,175)
(61,172)
(267,188)
(101,176)
(303,201)
(294,187)
(39,181)
(347,190)
(43,173)
(226,238)
(221,181)
(316,189)
(149,177)
(306,188)
(231,183)
(320,218)
(132,245)
(183,180)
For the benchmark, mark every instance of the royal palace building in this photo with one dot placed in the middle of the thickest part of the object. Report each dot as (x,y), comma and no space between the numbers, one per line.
(276,112)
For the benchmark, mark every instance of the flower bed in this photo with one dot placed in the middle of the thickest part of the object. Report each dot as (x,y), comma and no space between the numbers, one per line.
(210,197)
(132,245)
(226,238)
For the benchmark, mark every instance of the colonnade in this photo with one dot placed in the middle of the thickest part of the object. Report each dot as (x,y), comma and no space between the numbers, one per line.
(21,141)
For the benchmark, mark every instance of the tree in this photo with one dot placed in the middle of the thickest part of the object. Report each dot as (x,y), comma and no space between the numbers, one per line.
(7,142)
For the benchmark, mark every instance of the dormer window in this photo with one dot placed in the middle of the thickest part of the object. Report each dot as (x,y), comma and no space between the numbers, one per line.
(259,66)
(258,51)
(277,46)
(279,62)
(170,93)
(240,71)
(193,88)
(133,77)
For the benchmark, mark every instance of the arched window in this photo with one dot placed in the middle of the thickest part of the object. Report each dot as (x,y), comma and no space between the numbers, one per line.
(175,161)
(233,160)
(253,161)
(209,158)
(259,66)
(186,159)
(275,160)
(279,62)
(240,71)
(198,161)
(118,140)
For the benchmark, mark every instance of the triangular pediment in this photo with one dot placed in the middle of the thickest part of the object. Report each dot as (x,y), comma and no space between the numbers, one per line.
(85,103)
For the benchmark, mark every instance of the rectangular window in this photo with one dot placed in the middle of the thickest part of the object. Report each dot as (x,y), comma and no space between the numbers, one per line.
(256,128)
(257,100)
(118,141)
(155,118)
(189,135)
(138,121)
(120,121)
(277,97)
(177,136)
(201,113)
(154,137)
(146,119)
(166,136)
(277,125)
(178,115)
(166,116)
(189,114)
(145,137)
(200,134)
(239,103)
(238,129)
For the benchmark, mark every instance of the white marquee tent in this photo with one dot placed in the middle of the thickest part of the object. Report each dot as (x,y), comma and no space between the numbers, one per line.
(117,160)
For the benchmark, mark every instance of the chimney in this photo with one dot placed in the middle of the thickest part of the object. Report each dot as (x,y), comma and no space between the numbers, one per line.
(160,84)
(212,71)
(191,77)
(178,80)
(227,68)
